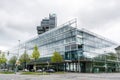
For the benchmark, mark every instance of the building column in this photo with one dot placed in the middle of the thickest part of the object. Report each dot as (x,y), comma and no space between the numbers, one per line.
(76,66)
(91,68)
(65,66)
(73,66)
(69,66)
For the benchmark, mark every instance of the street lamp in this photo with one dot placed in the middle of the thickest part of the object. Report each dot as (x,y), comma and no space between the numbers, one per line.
(17,61)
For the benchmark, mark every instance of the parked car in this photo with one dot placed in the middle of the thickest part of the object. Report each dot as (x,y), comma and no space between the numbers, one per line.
(26,70)
(39,70)
(50,70)
(3,69)
(10,70)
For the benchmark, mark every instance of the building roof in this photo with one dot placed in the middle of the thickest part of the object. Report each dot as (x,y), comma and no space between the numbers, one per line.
(69,23)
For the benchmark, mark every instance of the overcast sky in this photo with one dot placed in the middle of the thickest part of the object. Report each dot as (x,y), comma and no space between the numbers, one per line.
(19,18)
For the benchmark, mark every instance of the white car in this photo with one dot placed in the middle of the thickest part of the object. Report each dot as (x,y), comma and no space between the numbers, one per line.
(39,70)
(26,70)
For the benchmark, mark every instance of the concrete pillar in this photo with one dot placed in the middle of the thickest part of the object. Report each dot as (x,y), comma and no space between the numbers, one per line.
(76,67)
(69,66)
(73,65)
(65,66)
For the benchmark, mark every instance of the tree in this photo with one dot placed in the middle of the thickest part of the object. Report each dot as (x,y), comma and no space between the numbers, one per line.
(56,58)
(3,59)
(12,61)
(35,55)
(24,59)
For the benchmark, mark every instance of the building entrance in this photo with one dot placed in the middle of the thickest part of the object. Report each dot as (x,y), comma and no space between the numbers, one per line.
(83,67)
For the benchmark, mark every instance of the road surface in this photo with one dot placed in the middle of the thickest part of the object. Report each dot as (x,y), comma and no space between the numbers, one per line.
(66,76)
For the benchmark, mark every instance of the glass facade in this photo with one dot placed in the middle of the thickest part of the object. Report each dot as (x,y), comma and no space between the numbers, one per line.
(72,43)
(95,45)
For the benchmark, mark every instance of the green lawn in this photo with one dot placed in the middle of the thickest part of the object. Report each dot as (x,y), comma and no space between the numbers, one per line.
(34,73)
(40,73)
(59,72)
(6,72)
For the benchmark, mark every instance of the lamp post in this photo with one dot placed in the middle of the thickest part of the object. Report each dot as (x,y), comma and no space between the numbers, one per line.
(17,61)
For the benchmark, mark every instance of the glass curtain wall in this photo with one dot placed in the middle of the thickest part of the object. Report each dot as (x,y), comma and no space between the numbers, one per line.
(72,43)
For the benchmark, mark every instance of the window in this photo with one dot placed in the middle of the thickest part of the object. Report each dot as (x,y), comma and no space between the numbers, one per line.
(79,33)
(73,38)
(80,47)
(79,40)
(73,47)
(67,48)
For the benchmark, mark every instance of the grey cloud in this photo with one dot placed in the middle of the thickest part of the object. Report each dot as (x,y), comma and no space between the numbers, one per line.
(19,18)
(99,13)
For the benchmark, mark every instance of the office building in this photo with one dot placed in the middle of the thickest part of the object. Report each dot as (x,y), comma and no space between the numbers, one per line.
(82,50)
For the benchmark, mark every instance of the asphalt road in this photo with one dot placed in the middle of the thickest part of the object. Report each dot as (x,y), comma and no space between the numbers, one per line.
(66,76)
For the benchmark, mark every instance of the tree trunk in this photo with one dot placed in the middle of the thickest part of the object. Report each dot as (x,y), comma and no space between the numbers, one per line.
(35,65)
(57,67)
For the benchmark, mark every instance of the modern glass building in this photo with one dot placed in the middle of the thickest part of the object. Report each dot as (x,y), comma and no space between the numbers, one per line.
(82,50)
